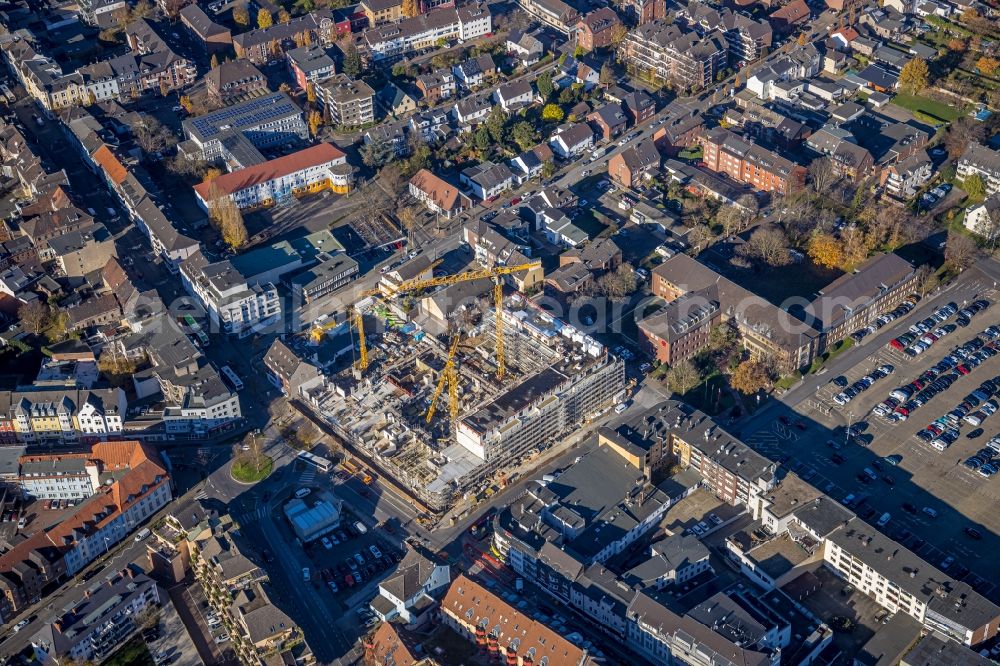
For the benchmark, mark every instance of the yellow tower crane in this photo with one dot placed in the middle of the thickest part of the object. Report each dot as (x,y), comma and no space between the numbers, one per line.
(447,375)
(493,273)
(357,321)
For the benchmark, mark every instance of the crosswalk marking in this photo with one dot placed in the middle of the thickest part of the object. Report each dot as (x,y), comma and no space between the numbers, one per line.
(202,494)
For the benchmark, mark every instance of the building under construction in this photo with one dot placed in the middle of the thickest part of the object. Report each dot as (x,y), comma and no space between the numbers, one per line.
(434,415)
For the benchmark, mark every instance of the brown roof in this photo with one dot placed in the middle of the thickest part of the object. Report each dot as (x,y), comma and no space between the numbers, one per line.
(107,160)
(271,170)
(796,10)
(443,194)
(471,603)
(388,647)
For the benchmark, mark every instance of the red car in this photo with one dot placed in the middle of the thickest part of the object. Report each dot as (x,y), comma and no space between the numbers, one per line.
(896,344)
(962,369)
(349,579)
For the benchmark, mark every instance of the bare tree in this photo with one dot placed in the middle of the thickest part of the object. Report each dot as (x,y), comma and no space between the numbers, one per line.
(618,283)
(822,174)
(749,203)
(151,135)
(960,251)
(732,218)
(767,246)
(961,133)
(682,377)
(34,315)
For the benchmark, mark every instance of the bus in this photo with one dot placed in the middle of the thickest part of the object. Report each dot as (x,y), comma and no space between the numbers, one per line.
(319,463)
(195,330)
(233,378)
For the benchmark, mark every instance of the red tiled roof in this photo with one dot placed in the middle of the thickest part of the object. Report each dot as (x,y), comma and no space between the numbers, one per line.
(443,194)
(471,602)
(272,169)
(107,160)
(796,10)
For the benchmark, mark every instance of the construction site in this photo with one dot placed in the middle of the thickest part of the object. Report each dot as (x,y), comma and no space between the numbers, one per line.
(451,415)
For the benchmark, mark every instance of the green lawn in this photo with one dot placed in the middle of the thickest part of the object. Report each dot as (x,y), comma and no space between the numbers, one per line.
(246,471)
(918,104)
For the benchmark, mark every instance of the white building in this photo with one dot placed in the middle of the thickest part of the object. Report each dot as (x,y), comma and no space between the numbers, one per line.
(571,141)
(426,30)
(488,180)
(406,591)
(238,306)
(982,161)
(984,219)
(319,167)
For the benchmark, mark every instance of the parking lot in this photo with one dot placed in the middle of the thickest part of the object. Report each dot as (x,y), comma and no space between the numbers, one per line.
(878,461)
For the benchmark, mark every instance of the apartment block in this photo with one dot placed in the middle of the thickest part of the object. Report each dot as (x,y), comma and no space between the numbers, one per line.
(675,55)
(347,102)
(555,13)
(747,162)
(983,162)
(41,415)
(238,306)
(424,31)
(269,121)
(681,329)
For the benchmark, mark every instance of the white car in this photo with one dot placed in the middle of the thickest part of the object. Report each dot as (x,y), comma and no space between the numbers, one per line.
(620,407)
(929,511)
(221,638)
(326,543)
(20,625)
(375,551)
(302,492)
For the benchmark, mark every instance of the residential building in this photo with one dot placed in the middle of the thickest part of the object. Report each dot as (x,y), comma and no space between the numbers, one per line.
(310,170)
(903,178)
(348,103)
(437,85)
(680,329)
(288,370)
(785,19)
(555,13)
(472,109)
(412,34)
(984,219)
(438,195)
(395,102)
(391,645)
(382,11)
(570,141)
(631,166)
(483,618)
(515,95)
(681,128)
(855,299)
(639,105)
(495,245)
(983,162)
(474,72)
(488,180)
(212,36)
(232,80)
(525,48)
(675,560)
(103,13)
(268,121)
(749,163)
(96,622)
(609,121)
(44,415)
(766,330)
(642,12)
(266,45)
(133,486)
(595,28)
(671,54)
(748,39)
(81,252)
(310,65)
(239,306)
(411,588)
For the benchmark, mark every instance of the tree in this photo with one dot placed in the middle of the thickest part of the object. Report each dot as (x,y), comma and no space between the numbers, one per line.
(116,368)
(481,139)
(34,316)
(315,122)
(164,87)
(544,85)
(969,15)
(241,16)
(407,217)
(960,251)
(284,16)
(856,246)
(140,10)
(957,45)
(825,250)
(961,133)
(524,134)
(264,18)
(682,377)
(495,123)
(391,178)
(352,60)
(821,174)
(801,41)
(749,204)
(214,62)
(732,218)
(914,76)
(700,237)
(579,52)
(566,96)
(618,34)
(311,93)
(548,169)
(377,153)
(151,136)
(410,8)
(553,113)
(618,283)
(767,246)
(927,279)
(226,217)
(186,103)
(975,187)
(987,65)
(751,376)
(607,74)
